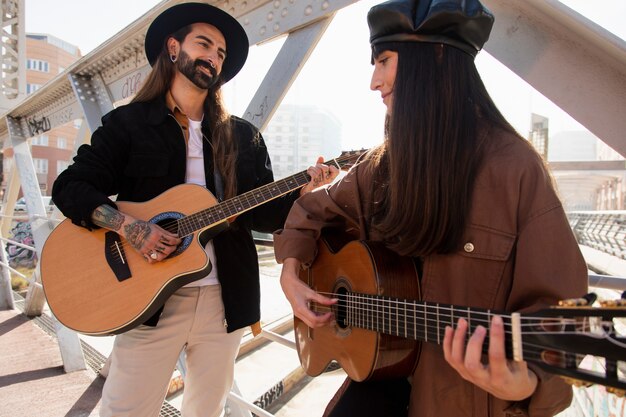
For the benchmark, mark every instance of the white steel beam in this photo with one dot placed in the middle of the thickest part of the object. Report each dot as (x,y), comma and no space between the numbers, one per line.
(575,63)
(12,53)
(286,66)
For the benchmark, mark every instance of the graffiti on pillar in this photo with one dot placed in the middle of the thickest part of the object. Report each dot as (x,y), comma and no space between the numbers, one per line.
(260,115)
(37,126)
(132,85)
(20,257)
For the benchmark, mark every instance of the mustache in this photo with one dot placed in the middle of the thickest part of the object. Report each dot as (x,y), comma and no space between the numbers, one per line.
(208,65)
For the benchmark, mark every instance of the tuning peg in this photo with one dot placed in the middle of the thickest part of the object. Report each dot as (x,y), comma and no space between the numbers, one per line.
(613,303)
(586,300)
(577,382)
(616,391)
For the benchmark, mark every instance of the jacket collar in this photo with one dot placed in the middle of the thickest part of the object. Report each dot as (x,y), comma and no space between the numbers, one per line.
(158,111)
(163,106)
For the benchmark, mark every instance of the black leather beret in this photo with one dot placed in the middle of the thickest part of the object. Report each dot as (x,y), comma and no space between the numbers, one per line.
(181,15)
(464,24)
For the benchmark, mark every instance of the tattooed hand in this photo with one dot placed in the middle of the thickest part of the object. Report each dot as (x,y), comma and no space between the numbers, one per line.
(150,240)
(320,175)
(137,233)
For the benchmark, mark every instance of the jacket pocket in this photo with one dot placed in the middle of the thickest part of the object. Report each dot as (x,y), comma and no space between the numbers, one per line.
(147,165)
(483,243)
(473,275)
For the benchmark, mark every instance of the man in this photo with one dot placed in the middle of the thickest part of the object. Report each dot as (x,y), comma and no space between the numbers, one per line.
(177,131)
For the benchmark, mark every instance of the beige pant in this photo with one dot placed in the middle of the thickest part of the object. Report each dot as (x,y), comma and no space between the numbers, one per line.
(143,359)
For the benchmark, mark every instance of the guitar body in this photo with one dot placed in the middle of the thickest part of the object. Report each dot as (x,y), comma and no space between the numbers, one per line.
(78,267)
(358,267)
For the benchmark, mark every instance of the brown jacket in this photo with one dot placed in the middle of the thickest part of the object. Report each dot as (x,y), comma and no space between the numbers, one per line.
(523,257)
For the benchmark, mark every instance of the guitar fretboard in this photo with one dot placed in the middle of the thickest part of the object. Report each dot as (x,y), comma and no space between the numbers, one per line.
(409,319)
(251,199)
(237,205)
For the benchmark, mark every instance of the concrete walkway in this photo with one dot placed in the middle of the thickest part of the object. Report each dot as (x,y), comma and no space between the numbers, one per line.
(32,380)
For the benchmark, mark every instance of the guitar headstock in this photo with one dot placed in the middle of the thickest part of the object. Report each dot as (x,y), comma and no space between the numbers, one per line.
(582,340)
(347,159)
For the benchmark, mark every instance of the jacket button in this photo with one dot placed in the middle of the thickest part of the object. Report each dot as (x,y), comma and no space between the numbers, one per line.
(469,247)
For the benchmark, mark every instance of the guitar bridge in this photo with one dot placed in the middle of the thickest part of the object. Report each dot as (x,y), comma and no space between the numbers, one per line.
(115,256)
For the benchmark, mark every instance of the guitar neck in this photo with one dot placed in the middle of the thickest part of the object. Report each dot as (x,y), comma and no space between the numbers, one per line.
(251,199)
(240,204)
(416,320)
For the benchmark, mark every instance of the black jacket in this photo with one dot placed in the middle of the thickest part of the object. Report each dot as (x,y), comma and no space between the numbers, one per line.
(138,153)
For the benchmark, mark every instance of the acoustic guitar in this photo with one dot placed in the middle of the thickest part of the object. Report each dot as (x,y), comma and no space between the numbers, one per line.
(380,324)
(97,284)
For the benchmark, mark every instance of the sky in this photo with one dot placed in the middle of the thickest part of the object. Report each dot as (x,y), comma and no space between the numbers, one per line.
(337,75)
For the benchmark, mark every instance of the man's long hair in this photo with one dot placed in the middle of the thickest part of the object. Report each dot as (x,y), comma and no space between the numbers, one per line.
(158,83)
(426,168)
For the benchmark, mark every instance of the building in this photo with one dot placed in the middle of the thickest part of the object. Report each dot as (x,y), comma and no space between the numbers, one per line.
(538,135)
(298,134)
(52,149)
(589,174)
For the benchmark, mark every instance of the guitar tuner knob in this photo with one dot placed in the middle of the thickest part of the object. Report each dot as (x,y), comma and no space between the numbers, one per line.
(616,391)
(586,300)
(613,303)
(577,382)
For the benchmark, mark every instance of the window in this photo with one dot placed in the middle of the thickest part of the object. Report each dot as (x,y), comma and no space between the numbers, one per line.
(37,65)
(31,88)
(61,142)
(41,140)
(41,165)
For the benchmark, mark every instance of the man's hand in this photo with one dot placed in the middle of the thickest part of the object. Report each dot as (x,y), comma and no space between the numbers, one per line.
(320,174)
(150,240)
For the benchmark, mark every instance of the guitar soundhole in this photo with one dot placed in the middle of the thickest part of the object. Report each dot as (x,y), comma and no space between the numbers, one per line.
(341,308)
(169,222)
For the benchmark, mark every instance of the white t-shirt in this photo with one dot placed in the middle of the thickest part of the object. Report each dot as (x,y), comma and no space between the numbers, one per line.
(195,175)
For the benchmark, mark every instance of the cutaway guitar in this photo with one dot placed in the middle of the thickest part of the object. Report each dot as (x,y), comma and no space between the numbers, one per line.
(96,284)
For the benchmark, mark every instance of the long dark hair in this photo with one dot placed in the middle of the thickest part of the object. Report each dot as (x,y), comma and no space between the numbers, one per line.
(158,83)
(426,168)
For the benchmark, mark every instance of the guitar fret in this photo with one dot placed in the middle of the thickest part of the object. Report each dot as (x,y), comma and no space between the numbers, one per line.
(368,317)
(415,322)
(359,312)
(405,318)
(425,324)
(390,316)
(380,322)
(452,317)
(438,325)
(397,318)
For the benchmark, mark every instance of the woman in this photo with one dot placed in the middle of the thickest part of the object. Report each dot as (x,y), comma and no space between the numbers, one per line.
(456,188)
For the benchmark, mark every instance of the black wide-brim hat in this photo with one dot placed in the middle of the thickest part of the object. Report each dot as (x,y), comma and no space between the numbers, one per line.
(181,15)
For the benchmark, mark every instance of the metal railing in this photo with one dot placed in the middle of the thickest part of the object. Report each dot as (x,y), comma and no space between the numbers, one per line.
(601,230)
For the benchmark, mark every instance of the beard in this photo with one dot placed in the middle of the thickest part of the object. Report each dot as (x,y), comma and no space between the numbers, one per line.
(191,70)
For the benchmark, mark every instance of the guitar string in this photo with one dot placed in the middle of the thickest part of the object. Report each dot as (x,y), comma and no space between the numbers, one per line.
(191,223)
(530,350)
(233,203)
(456,311)
(527,321)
